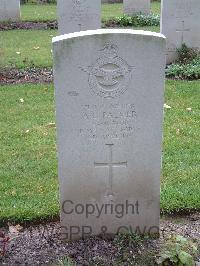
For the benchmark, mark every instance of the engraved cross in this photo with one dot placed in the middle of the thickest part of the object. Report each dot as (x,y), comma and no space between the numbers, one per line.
(110,164)
(182,30)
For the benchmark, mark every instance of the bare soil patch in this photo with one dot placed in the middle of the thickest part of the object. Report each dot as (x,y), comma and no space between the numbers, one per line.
(28,25)
(41,245)
(30,75)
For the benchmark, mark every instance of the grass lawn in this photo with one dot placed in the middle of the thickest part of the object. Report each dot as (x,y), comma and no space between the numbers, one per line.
(156,7)
(26,48)
(28,185)
(49,12)
(38,12)
(181,164)
(28,177)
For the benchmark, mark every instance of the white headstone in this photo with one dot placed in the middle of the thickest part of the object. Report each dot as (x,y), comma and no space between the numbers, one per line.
(78,15)
(132,7)
(180,23)
(9,10)
(109,102)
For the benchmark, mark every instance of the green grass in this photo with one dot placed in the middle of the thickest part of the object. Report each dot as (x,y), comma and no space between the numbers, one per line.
(48,12)
(28,177)
(155,7)
(26,42)
(114,10)
(28,185)
(111,10)
(181,181)
(148,28)
(38,12)
(19,48)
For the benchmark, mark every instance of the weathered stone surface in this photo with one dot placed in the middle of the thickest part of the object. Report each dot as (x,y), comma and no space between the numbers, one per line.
(180,22)
(109,103)
(78,15)
(9,10)
(111,1)
(132,7)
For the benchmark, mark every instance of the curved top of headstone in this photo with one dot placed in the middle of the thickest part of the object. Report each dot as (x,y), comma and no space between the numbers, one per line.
(107,31)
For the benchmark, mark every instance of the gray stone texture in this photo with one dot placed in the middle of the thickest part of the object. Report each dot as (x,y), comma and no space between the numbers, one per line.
(180,23)
(9,10)
(109,87)
(78,15)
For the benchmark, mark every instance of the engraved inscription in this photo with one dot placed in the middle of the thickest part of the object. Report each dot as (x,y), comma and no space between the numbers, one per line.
(80,11)
(171,48)
(183,9)
(109,76)
(110,164)
(113,121)
(73,93)
(78,2)
(182,31)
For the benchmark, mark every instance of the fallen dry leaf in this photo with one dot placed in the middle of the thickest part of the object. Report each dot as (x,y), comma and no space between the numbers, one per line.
(36,47)
(178,131)
(167,106)
(19,227)
(40,189)
(50,125)
(13,193)
(14,230)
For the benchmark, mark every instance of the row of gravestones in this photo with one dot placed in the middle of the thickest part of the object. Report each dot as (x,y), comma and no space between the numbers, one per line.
(109,87)
(10,10)
(179,21)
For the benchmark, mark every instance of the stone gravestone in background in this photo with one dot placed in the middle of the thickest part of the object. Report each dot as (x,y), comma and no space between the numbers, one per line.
(132,7)
(9,10)
(111,1)
(78,15)
(180,23)
(109,88)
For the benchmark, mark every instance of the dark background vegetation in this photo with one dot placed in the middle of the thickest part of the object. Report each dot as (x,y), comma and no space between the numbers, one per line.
(54,1)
